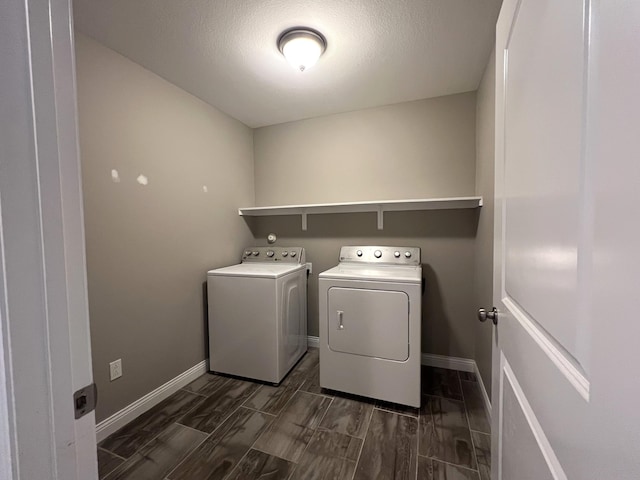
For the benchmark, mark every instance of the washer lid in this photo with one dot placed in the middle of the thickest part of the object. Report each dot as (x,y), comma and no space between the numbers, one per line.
(386,273)
(262,270)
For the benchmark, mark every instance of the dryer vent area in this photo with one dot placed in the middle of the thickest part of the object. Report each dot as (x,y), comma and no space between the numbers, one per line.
(229,428)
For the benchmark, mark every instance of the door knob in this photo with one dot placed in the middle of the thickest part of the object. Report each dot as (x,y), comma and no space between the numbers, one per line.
(492,315)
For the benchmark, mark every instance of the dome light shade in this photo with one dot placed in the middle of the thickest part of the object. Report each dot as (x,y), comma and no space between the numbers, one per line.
(302,47)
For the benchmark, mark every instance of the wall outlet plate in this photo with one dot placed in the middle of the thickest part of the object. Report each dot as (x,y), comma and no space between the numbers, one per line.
(115,369)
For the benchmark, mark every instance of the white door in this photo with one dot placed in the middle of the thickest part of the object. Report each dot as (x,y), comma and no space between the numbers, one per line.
(44,323)
(567,241)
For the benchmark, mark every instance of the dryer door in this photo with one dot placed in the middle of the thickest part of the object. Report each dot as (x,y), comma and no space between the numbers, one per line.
(372,323)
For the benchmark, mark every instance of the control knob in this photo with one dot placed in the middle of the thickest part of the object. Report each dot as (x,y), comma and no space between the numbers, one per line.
(284,254)
(396,254)
(256,253)
(377,254)
(293,254)
(270,253)
(407,254)
(359,253)
(247,253)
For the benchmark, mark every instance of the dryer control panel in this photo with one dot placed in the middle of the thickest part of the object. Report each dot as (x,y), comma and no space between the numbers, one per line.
(381,255)
(274,254)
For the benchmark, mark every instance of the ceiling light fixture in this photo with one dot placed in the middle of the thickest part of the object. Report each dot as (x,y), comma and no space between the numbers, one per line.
(302,47)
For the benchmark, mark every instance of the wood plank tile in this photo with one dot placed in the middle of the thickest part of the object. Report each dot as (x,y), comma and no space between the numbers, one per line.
(330,455)
(390,448)
(467,376)
(312,383)
(160,456)
(270,399)
(135,434)
(210,413)
(397,408)
(206,384)
(429,469)
(441,382)
(290,433)
(348,416)
(217,456)
(444,432)
(258,465)
(478,419)
(482,445)
(305,368)
(107,463)
(425,468)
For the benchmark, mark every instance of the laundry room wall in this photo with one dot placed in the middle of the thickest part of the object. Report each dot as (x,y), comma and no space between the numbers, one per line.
(485,168)
(163,176)
(417,149)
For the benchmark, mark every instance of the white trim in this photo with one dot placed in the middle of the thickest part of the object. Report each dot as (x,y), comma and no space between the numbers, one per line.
(485,395)
(452,363)
(45,344)
(555,467)
(313,342)
(556,353)
(137,408)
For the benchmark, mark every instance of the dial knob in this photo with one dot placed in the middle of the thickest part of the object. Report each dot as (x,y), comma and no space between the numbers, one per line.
(256,253)
(284,254)
(359,253)
(396,254)
(270,253)
(247,253)
(377,254)
(407,254)
(293,254)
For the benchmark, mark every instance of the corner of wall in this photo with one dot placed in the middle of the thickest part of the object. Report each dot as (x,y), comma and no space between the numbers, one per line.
(483,275)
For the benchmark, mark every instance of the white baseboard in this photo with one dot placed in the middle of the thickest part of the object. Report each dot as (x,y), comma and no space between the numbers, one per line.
(137,408)
(313,342)
(452,363)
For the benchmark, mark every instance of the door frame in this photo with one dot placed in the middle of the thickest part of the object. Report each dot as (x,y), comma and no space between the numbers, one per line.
(45,352)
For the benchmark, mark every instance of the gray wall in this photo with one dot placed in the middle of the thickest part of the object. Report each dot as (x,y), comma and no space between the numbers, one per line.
(149,246)
(485,166)
(417,149)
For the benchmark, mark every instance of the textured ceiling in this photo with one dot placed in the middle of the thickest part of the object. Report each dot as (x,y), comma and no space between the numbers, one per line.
(224,51)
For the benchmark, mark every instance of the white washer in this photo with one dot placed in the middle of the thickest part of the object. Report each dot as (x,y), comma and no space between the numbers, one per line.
(370,317)
(258,314)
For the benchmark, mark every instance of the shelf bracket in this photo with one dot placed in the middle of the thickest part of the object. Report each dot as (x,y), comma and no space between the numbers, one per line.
(380,218)
(304,221)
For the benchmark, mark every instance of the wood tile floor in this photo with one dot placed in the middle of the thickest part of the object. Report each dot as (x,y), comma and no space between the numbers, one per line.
(225,428)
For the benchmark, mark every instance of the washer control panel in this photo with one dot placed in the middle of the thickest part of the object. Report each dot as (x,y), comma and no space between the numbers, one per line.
(383,255)
(273,254)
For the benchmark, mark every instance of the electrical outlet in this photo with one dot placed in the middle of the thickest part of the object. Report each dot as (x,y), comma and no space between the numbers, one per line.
(115,369)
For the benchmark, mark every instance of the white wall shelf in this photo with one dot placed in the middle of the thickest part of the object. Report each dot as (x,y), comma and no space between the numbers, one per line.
(359,207)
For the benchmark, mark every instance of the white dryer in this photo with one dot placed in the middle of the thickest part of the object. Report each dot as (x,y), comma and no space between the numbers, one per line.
(370,318)
(258,314)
